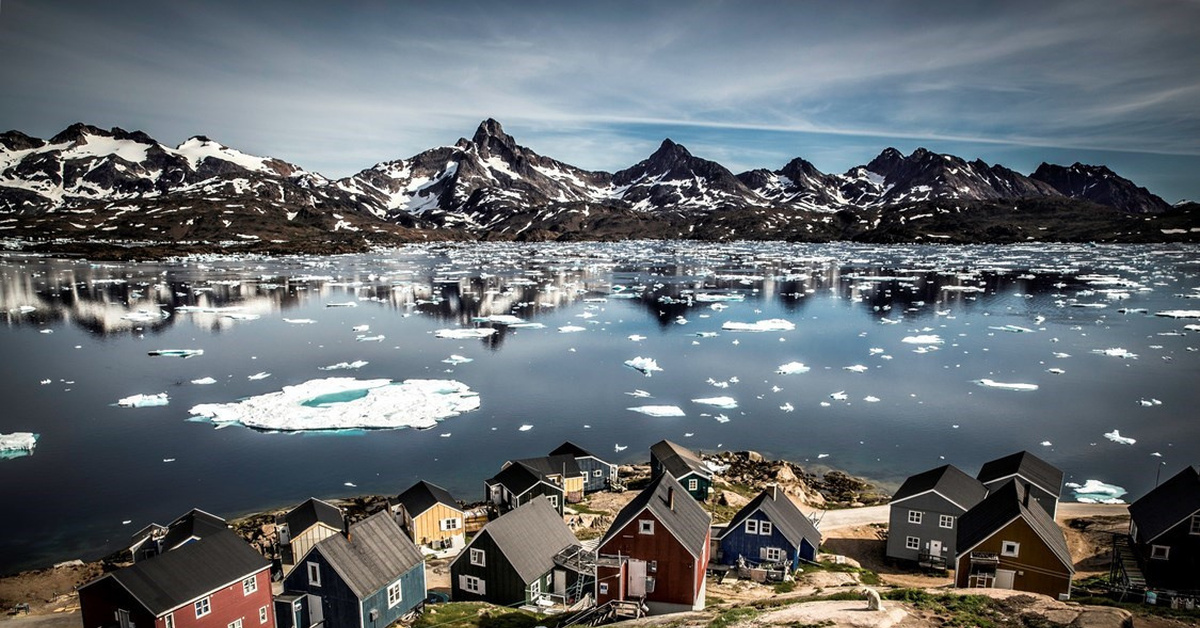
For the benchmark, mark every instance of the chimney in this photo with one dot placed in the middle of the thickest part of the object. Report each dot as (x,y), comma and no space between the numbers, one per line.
(1025,500)
(671,497)
(774,492)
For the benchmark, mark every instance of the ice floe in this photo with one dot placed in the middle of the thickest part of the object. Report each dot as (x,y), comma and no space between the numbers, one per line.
(1115,436)
(299,321)
(792,368)
(991,383)
(856,368)
(204,381)
(726,403)
(571,329)
(661,411)
(455,360)
(1116,352)
(639,393)
(771,324)
(644,365)
(839,396)
(17,444)
(525,428)
(176,353)
(1148,403)
(464,334)
(1179,313)
(619,448)
(357,364)
(923,339)
(144,401)
(1012,329)
(258,375)
(339,403)
(1097,492)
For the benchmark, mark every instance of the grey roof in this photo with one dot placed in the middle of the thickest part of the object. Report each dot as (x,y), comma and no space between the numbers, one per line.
(422,496)
(783,513)
(572,449)
(678,460)
(194,523)
(999,508)
(529,537)
(562,464)
(687,520)
(312,512)
(172,579)
(948,481)
(1167,505)
(518,477)
(373,553)
(1026,465)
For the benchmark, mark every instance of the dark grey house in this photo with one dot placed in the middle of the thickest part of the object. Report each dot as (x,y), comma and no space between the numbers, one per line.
(600,474)
(924,513)
(1043,478)
(1165,526)
(683,465)
(512,560)
(519,483)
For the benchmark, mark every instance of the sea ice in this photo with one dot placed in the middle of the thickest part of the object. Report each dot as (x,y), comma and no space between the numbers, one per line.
(338,403)
(299,321)
(378,338)
(638,392)
(1115,436)
(1116,352)
(570,329)
(144,401)
(204,381)
(637,337)
(359,329)
(871,399)
(1013,329)
(924,339)
(771,324)
(1097,492)
(258,375)
(792,368)
(1179,313)
(645,365)
(725,403)
(857,368)
(176,353)
(357,364)
(18,441)
(662,411)
(457,359)
(464,334)
(839,396)
(525,428)
(787,407)
(990,383)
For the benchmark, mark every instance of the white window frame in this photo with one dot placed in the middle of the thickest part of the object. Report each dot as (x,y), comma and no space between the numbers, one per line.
(603,588)
(471,584)
(449,524)
(535,589)
(765,528)
(598,473)
(237,623)
(946,521)
(478,557)
(262,614)
(752,526)
(394,594)
(693,484)
(203,606)
(169,620)
(645,526)
(249,585)
(314,574)
(1011,549)
(553,500)
(912,543)
(1195,529)
(1160,552)
(915,517)
(773,554)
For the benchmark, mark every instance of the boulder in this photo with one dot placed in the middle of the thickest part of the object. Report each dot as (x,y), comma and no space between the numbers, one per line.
(731,499)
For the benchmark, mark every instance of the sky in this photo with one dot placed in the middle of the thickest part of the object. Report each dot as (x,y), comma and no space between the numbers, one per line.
(337,87)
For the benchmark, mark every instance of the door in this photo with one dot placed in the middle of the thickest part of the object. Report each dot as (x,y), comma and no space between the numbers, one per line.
(123,618)
(637,578)
(1004,579)
(935,549)
(560,582)
(316,613)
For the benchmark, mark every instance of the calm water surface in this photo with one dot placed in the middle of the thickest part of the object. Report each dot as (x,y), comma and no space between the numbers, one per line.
(99,470)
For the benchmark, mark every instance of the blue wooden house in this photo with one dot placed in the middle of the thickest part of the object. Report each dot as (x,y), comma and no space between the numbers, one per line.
(770,530)
(600,475)
(369,577)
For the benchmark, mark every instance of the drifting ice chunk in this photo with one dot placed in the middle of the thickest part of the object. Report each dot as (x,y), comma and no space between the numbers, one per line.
(924,339)
(463,334)
(787,407)
(144,401)
(338,403)
(378,338)
(619,448)
(259,375)
(1047,443)
(500,319)
(457,359)
(645,365)
(725,403)
(1116,352)
(1056,371)
(792,368)
(18,442)
(1097,492)
(570,329)
(637,338)
(357,364)
(771,324)
(1149,402)
(857,368)
(1179,313)
(299,321)
(871,399)
(1013,329)
(1006,386)
(525,428)
(839,395)
(176,353)
(1115,436)
(204,381)
(344,304)
(638,392)
(665,411)
(360,329)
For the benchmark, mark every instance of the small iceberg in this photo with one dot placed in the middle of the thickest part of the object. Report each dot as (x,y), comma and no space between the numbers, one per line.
(924,339)
(342,304)
(378,338)
(464,334)
(725,403)
(455,360)
(857,368)
(1013,329)
(661,411)
(1115,436)
(791,368)
(1179,313)
(357,364)
(1116,352)
(204,381)
(176,353)
(839,396)
(1097,492)
(144,401)
(258,375)
(17,444)
(644,365)
(771,324)
(299,321)
(991,383)
(570,329)
(525,428)
(639,393)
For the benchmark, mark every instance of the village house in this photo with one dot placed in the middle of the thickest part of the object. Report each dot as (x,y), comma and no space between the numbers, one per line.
(1009,542)
(155,539)
(303,527)
(215,580)
(656,551)
(431,517)
(517,484)
(1165,528)
(770,531)
(599,475)
(511,562)
(1043,478)
(923,516)
(369,577)
(683,465)
(562,470)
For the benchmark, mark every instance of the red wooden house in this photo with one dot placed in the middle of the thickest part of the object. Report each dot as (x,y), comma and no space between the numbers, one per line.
(218,581)
(656,551)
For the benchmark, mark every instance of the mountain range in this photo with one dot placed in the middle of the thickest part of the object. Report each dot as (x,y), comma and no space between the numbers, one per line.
(88,188)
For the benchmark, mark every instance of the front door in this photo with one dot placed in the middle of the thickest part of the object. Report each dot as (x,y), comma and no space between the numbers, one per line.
(1004,579)
(935,549)
(637,578)
(123,618)
(560,582)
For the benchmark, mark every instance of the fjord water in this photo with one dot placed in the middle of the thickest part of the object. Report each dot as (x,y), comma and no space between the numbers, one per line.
(1007,314)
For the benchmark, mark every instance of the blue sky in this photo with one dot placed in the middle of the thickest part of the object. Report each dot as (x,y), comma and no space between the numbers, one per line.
(339,86)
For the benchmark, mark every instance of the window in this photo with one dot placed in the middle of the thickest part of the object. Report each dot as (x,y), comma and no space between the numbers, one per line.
(262,614)
(649,585)
(1010,548)
(314,575)
(946,521)
(645,526)
(773,554)
(603,588)
(237,623)
(553,500)
(764,528)
(249,585)
(693,484)
(912,543)
(1195,525)
(203,607)
(478,557)
(453,523)
(170,620)
(473,584)
(393,594)
(1160,552)
(535,588)
(915,516)
(597,473)
(752,526)
(652,566)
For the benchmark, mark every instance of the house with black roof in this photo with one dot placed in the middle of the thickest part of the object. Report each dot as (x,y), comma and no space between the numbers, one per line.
(1009,542)
(1043,478)
(511,561)
(431,517)
(771,530)
(562,470)
(372,575)
(519,483)
(683,465)
(192,525)
(923,515)
(215,580)
(656,551)
(599,475)
(1165,528)
(304,526)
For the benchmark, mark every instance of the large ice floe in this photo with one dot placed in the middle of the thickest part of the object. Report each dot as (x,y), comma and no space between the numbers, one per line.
(144,401)
(1115,436)
(17,444)
(991,383)
(791,368)
(924,339)
(771,324)
(659,410)
(340,403)
(645,366)
(463,334)
(1097,492)
(727,403)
